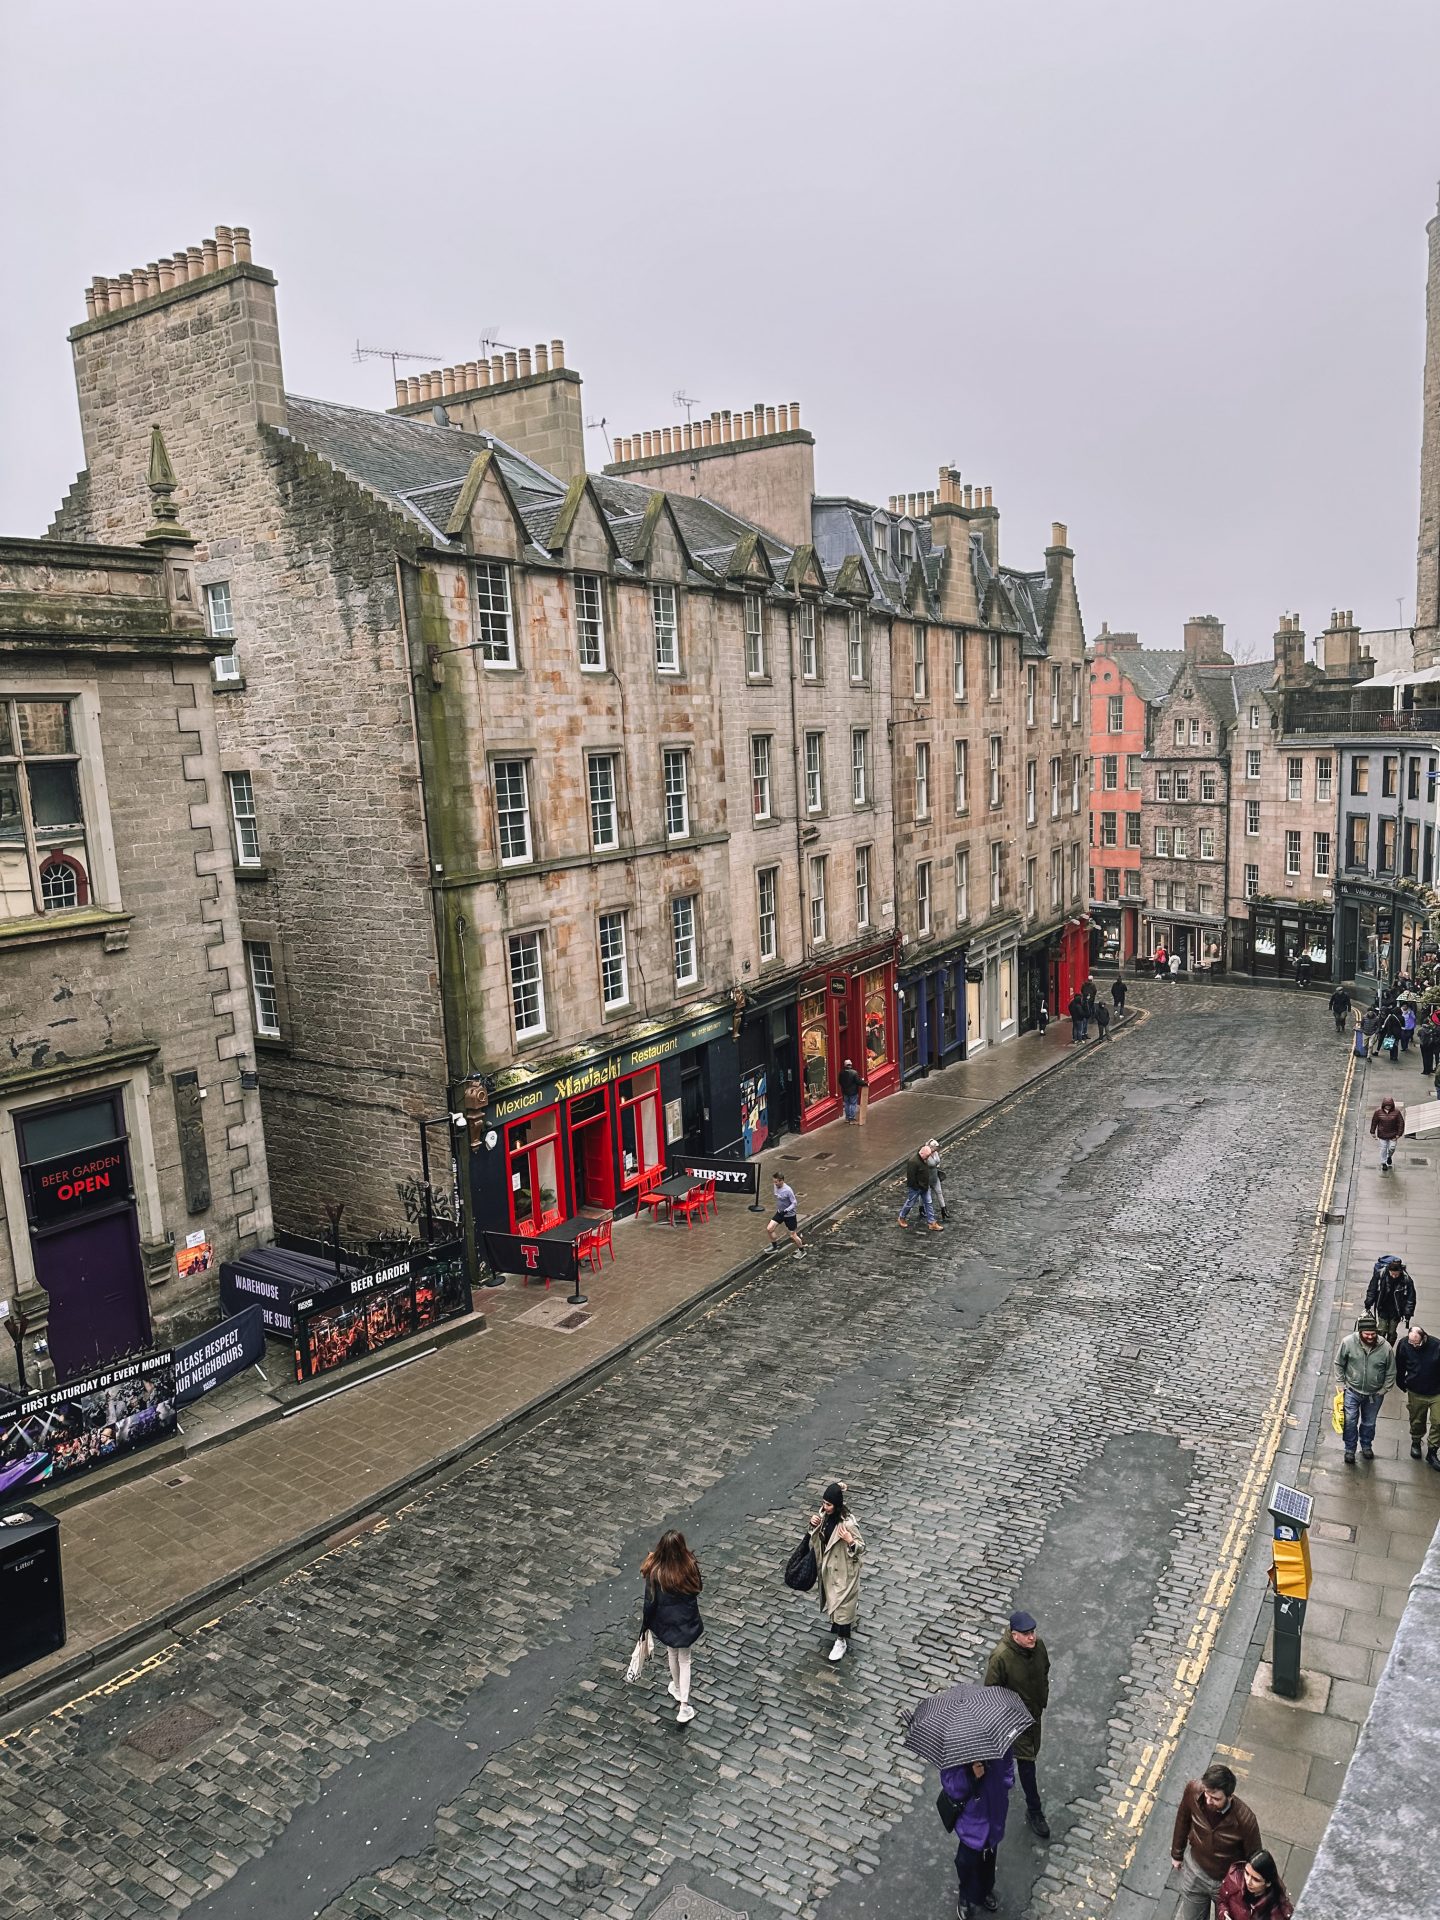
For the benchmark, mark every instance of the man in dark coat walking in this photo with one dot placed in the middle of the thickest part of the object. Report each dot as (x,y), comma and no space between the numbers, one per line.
(1417,1371)
(1390,1295)
(1339,1005)
(1077,1019)
(1117,995)
(1021,1663)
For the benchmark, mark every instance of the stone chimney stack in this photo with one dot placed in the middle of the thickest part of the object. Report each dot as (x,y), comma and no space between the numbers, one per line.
(1339,648)
(1289,651)
(527,397)
(1205,641)
(189,344)
(757,460)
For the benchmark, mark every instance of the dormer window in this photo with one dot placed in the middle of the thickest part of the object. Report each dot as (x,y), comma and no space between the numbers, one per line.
(880,538)
(905,544)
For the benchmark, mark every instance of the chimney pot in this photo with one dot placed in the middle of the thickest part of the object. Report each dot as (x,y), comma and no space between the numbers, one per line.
(512,370)
(1059,534)
(542,357)
(705,431)
(794,416)
(769,420)
(89,303)
(524,363)
(181,265)
(665,446)
(209,256)
(138,281)
(727,427)
(242,245)
(644,446)
(127,291)
(966,501)
(557,353)
(497,368)
(197,263)
(225,246)
(783,418)
(472,376)
(402,391)
(747,424)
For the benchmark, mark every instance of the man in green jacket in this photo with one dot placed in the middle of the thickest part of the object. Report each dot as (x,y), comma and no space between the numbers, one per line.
(1365,1368)
(1021,1663)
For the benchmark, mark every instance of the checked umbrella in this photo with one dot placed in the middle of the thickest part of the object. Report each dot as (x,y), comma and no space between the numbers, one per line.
(966,1723)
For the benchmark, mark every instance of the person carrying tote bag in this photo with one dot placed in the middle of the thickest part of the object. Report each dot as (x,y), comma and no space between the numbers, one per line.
(838,1546)
(672,1611)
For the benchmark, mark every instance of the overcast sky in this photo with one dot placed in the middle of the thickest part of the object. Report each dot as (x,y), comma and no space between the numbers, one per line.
(1155,271)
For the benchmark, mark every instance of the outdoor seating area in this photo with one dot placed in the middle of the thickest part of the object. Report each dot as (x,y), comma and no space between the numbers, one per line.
(680,1196)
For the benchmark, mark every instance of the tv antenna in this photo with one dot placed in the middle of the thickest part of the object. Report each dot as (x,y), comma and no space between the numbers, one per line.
(392,354)
(682,399)
(489,346)
(599,425)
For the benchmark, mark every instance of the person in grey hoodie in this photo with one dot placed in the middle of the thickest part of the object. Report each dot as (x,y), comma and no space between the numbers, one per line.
(1365,1368)
(937,1191)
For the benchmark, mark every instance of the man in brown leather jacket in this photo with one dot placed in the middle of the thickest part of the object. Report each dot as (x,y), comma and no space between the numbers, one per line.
(1216,1830)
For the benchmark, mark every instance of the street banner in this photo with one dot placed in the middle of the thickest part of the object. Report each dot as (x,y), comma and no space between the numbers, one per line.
(730,1176)
(219,1354)
(367,1311)
(531,1258)
(87,1422)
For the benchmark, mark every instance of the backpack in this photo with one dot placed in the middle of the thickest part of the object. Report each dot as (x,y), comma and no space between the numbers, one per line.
(1390,1295)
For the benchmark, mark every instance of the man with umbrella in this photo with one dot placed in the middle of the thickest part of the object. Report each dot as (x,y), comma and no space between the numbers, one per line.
(969,1732)
(1021,1663)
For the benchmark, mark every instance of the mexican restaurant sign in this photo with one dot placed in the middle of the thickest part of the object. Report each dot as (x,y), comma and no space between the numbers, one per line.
(513,1103)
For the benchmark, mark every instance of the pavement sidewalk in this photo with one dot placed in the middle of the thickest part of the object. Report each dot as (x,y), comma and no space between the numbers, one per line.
(1372,1524)
(146,1555)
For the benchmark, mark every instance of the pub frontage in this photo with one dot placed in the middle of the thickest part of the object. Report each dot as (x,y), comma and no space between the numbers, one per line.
(931,1006)
(847,1012)
(585,1135)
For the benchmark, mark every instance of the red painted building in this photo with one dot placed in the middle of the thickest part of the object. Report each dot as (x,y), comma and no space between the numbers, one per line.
(1127,682)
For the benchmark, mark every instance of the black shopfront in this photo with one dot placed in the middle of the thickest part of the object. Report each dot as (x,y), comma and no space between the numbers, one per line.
(583,1138)
(1280,934)
(932,1014)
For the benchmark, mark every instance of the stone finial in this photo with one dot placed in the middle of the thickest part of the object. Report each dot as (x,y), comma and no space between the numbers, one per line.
(160,478)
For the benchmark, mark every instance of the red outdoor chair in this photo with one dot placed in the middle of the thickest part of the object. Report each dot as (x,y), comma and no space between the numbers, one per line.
(584,1247)
(648,1197)
(692,1203)
(602,1241)
(712,1205)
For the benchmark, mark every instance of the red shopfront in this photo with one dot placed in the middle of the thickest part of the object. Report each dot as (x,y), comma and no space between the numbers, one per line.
(847,1013)
(584,1140)
(1070,967)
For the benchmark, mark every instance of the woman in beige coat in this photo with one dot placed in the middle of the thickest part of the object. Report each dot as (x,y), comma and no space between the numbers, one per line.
(836,1543)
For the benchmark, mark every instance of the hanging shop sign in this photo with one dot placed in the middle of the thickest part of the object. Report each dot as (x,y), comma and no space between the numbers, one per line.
(367,1311)
(70,1186)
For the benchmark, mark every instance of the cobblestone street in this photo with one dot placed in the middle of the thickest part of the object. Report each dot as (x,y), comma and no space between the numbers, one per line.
(1056,1402)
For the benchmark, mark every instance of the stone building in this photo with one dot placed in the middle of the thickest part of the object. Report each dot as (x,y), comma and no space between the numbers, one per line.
(571,794)
(131,1154)
(1127,684)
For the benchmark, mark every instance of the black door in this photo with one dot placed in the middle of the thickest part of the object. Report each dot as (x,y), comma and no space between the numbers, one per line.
(692,1109)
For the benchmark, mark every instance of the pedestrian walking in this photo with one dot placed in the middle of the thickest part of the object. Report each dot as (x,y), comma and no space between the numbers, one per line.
(850,1082)
(672,1611)
(1020,1661)
(1339,1005)
(1304,969)
(1174,964)
(836,1542)
(1387,1123)
(1417,1374)
(1425,1039)
(1076,1011)
(1392,1029)
(1213,1832)
(1252,1889)
(1162,962)
(1370,1029)
(937,1190)
(917,1190)
(982,1793)
(1042,1018)
(1365,1368)
(785,1219)
(1409,1022)
(1117,995)
(1102,1020)
(1390,1295)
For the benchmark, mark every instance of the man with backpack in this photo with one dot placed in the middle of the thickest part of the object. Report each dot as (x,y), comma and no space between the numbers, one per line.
(1390,1295)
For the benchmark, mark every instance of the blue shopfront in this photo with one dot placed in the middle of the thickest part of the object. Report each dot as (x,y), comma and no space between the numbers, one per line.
(932,1015)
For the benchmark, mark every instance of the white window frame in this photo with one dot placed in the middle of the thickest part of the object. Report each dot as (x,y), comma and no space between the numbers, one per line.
(1322,856)
(1206,849)
(818,864)
(1162,843)
(1109,773)
(815,772)
(1252,880)
(920,662)
(673,758)
(1032,792)
(610,921)
(1030,888)
(605,765)
(767,913)
(684,939)
(1324,777)
(809,641)
(997,873)
(996,787)
(590,622)
(962,885)
(958,684)
(1057,683)
(1209,787)
(264,988)
(1055,783)
(1252,818)
(522,812)
(665,626)
(494,615)
(220,625)
(962,776)
(1074,783)
(992,666)
(862,886)
(1114,713)
(922,899)
(1292,853)
(1075,696)
(1252,763)
(754,635)
(1032,687)
(922,780)
(1179,843)
(1294,781)
(857,647)
(526,948)
(860,766)
(761,796)
(244,819)
(1254,719)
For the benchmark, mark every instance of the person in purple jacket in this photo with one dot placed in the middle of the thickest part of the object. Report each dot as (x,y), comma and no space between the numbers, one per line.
(983,1792)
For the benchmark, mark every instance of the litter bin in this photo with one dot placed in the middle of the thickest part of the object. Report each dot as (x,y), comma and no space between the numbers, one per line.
(32,1598)
(1290,1511)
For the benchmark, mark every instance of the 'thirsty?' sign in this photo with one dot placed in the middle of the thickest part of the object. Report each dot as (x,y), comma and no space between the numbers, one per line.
(730,1176)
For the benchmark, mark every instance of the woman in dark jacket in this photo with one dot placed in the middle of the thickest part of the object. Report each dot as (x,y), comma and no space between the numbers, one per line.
(672,1610)
(1253,1888)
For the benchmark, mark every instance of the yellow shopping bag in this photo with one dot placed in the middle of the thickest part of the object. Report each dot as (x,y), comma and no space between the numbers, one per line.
(1337,1411)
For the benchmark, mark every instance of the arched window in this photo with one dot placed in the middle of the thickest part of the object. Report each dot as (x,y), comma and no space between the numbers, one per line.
(63,883)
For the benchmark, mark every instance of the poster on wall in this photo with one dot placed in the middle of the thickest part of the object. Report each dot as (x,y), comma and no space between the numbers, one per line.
(197,1256)
(87,1422)
(369,1311)
(754,1110)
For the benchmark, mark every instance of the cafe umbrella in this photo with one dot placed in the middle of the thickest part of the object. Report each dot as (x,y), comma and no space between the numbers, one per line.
(966,1723)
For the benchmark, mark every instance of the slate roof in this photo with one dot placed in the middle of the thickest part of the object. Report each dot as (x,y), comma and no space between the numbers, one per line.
(1151,671)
